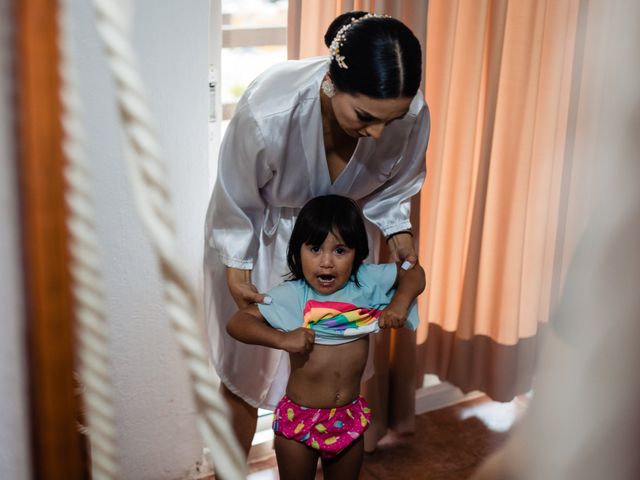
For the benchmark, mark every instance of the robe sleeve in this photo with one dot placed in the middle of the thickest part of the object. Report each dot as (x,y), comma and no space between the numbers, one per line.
(236,208)
(389,207)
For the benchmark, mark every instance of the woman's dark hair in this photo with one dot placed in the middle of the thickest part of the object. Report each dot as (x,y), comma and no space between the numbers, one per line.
(383,56)
(319,217)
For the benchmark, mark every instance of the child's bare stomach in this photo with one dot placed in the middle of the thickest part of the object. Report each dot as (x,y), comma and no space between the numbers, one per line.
(329,376)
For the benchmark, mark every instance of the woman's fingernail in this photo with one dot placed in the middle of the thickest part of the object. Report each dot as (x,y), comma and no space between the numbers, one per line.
(406,265)
(267,300)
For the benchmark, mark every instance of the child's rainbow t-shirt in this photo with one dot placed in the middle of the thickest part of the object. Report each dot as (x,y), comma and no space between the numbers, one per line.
(347,314)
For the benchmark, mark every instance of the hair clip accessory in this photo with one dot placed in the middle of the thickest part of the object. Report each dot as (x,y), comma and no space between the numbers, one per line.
(328,87)
(338,40)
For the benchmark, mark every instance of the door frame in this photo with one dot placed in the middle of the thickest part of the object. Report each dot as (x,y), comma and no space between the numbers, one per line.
(58,451)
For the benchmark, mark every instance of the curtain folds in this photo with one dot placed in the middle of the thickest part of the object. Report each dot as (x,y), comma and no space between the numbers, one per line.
(494,206)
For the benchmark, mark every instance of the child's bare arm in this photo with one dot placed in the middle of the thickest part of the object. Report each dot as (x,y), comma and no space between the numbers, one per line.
(248,326)
(409,284)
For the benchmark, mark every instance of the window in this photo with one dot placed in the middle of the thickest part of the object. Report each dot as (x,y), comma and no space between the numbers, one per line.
(254,37)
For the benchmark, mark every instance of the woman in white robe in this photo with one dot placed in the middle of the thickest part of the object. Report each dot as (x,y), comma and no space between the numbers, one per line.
(291,139)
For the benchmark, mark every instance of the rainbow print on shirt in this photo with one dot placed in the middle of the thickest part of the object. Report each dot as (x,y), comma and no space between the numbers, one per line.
(340,318)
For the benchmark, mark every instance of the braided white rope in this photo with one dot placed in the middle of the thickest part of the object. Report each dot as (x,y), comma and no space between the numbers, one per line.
(86,266)
(149,180)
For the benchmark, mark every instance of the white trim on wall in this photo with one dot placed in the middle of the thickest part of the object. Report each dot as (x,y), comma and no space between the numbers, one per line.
(439,396)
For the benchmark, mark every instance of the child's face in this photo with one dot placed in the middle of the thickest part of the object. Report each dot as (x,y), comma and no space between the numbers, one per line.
(327,268)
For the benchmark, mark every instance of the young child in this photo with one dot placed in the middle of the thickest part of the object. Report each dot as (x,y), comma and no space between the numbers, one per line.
(322,316)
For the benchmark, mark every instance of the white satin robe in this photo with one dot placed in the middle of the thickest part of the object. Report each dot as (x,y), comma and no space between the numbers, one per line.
(272,161)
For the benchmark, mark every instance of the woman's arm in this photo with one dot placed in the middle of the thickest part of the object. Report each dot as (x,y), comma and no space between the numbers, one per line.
(410,283)
(236,209)
(401,248)
(389,206)
(244,292)
(249,326)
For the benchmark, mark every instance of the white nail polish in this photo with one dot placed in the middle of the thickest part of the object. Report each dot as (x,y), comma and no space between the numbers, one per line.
(406,265)
(267,300)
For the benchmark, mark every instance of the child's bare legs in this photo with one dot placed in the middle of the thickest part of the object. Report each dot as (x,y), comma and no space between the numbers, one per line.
(296,461)
(245,418)
(346,465)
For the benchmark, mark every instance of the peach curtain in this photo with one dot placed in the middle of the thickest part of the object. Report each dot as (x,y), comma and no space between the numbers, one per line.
(583,421)
(496,209)
(391,391)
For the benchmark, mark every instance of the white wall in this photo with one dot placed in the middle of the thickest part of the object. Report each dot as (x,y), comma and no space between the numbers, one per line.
(157,434)
(14,439)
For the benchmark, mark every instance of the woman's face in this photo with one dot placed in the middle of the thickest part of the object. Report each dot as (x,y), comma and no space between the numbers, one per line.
(362,116)
(327,268)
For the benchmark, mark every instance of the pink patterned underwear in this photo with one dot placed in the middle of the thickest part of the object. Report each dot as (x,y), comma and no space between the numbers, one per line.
(328,430)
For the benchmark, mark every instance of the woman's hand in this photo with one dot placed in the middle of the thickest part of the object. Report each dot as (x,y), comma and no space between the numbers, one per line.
(401,249)
(299,340)
(242,290)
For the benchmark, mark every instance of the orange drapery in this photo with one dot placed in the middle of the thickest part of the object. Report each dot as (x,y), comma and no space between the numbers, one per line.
(501,88)
(583,421)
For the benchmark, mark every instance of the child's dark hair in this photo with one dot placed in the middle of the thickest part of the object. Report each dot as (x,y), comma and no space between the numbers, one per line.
(383,55)
(321,216)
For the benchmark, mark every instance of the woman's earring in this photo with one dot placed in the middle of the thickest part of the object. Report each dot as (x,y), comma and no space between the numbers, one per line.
(328,88)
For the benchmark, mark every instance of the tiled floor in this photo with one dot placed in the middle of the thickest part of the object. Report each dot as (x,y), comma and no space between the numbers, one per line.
(448,444)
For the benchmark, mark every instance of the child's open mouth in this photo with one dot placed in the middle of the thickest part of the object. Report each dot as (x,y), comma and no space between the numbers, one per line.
(326,279)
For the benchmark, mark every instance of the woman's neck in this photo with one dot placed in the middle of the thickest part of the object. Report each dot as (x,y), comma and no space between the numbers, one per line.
(334,136)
